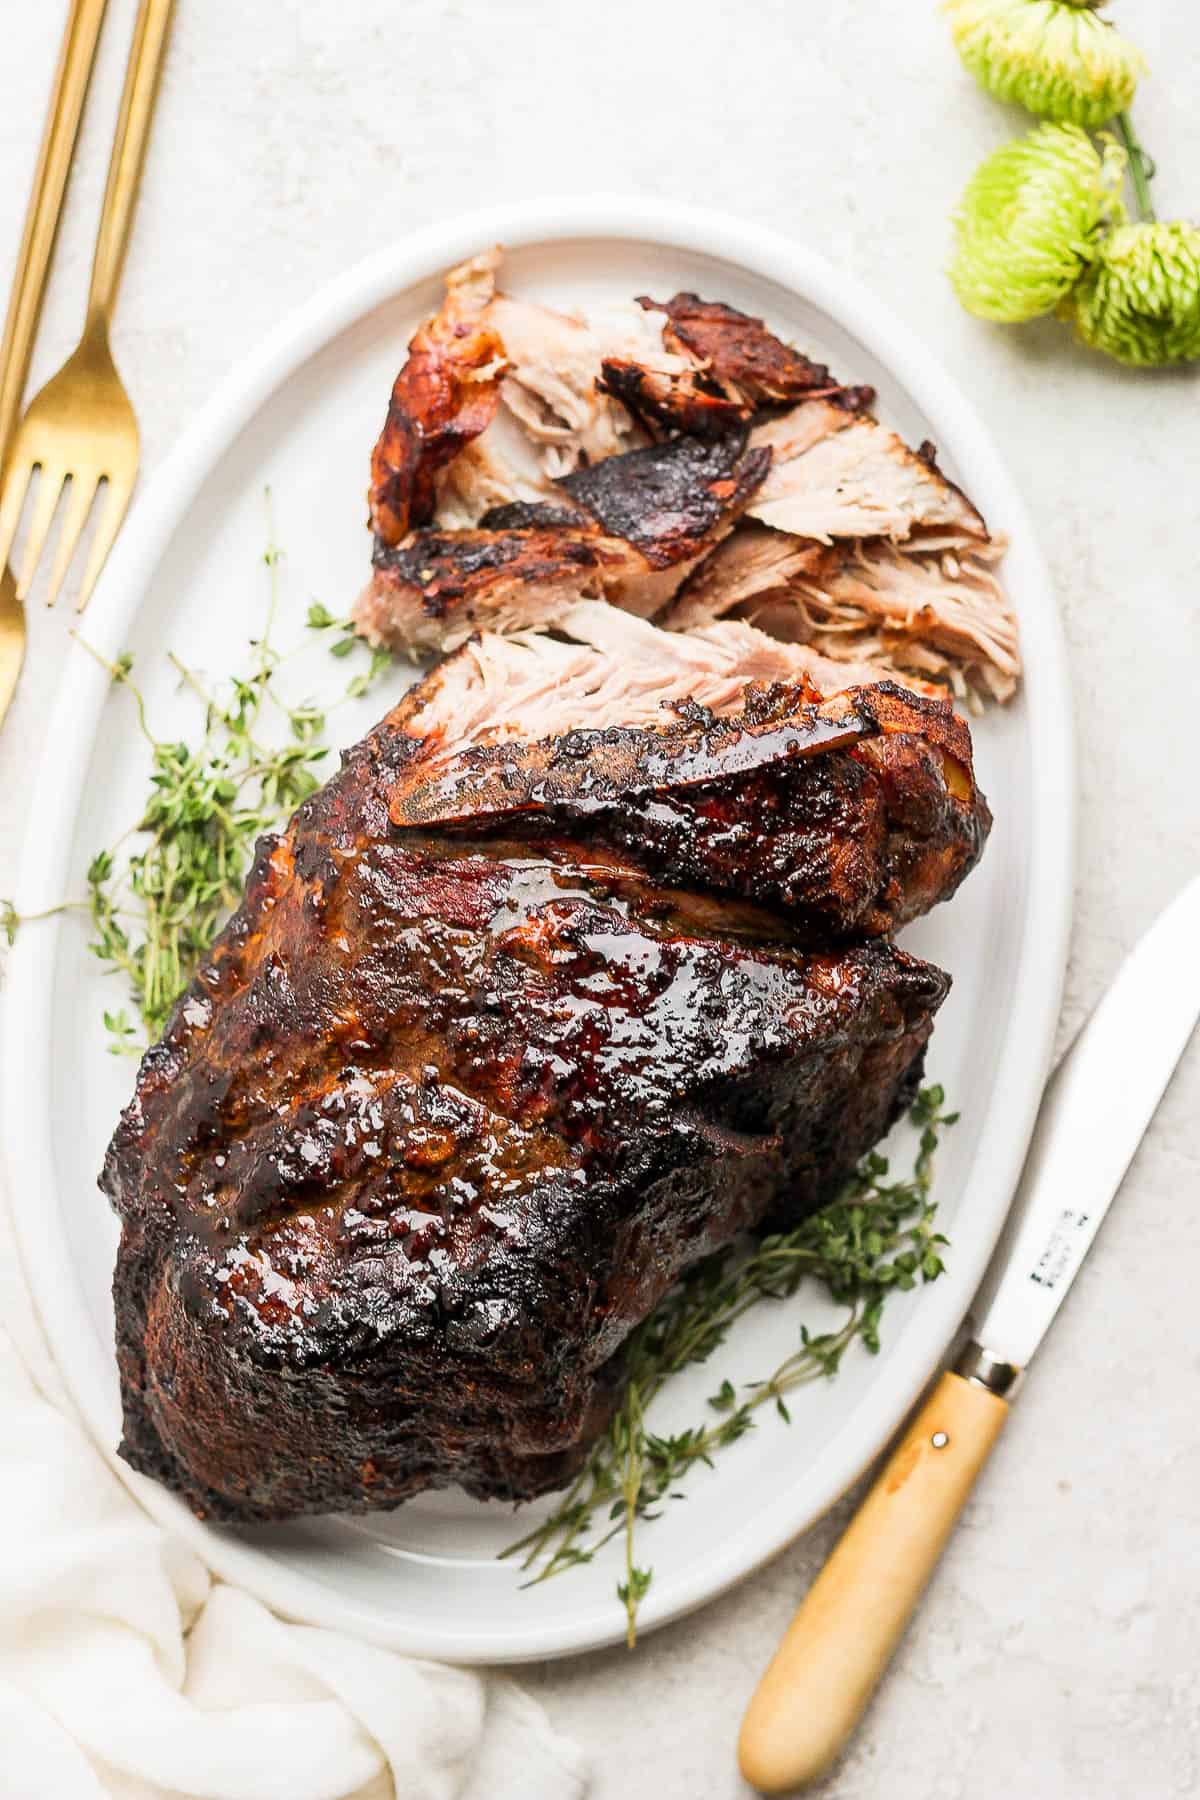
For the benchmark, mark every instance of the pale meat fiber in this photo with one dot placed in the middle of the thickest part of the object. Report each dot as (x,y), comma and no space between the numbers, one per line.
(614,667)
(499,468)
(550,387)
(870,606)
(554,386)
(943,615)
(791,434)
(751,562)
(861,481)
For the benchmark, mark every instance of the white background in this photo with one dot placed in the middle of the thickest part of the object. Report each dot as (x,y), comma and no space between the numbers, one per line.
(1058,1653)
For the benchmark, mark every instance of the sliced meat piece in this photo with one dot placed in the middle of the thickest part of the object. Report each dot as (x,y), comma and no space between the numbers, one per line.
(672,500)
(880,610)
(631,528)
(446,394)
(748,361)
(432,591)
(860,481)
(854,814)
(673,400)
(752,560)
(498,398)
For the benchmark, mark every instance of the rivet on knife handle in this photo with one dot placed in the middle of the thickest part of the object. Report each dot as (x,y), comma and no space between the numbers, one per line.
(841,1640)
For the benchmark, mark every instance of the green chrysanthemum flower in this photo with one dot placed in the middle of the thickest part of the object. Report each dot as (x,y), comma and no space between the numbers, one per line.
(1140,299)
(1054,57)
(1029,220)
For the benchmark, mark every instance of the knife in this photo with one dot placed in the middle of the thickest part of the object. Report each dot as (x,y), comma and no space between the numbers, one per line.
(1094,1115)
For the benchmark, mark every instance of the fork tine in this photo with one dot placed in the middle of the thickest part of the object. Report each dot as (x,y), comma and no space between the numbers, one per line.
(114,505)
(46,500)
(79,503)
(12,501)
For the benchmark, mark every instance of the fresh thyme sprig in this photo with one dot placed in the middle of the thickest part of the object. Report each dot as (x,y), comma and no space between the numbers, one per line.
(877,1238)
(321,619)
(157,908)
(158,897)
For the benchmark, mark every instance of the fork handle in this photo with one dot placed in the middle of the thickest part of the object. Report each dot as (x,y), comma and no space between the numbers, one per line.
(129,153)
(45,208)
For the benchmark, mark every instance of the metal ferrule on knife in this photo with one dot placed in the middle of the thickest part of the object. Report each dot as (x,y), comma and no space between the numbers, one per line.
(978,1365)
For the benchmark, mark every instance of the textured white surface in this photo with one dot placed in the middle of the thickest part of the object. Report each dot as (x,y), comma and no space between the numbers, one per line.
(1057,1653)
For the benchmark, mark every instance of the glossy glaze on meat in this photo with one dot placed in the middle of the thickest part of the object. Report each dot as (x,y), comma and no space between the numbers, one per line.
(452,1102)
(852,815)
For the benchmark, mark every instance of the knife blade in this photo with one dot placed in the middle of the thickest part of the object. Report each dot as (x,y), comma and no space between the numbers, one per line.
(1094,1115)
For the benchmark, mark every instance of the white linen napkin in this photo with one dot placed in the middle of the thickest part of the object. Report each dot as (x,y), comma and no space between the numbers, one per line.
(127,1671)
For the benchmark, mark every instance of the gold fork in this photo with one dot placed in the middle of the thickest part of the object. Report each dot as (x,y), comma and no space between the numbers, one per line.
(81,427)
(29,285)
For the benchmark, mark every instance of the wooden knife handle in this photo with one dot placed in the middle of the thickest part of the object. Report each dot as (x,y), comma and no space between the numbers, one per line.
(841,1640)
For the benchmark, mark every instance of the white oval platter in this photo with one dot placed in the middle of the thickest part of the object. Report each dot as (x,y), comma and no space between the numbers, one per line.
(187,576)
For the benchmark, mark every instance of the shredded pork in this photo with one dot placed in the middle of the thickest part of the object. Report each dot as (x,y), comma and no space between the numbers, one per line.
(942,615)
(542,463)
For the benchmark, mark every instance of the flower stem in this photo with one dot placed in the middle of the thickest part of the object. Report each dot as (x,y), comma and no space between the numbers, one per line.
(1140,168)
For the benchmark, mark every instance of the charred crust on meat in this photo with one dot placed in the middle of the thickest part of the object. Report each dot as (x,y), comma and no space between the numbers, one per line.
(446,567)
(668,499)
(685,400)
(446,394)
(738,351)
(529,515)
